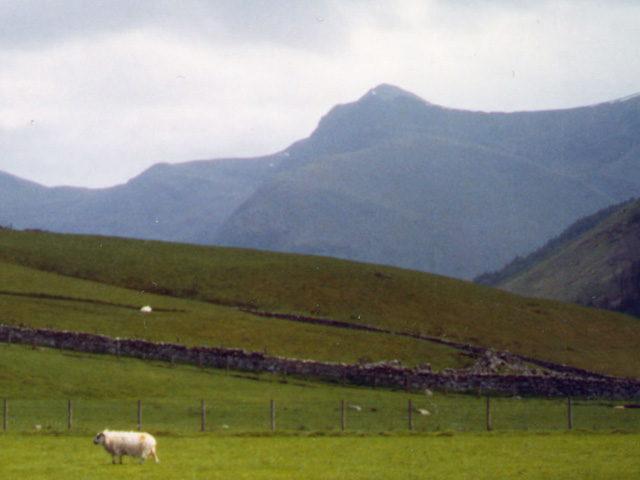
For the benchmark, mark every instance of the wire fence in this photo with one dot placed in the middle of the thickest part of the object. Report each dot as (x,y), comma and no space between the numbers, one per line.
(417,414)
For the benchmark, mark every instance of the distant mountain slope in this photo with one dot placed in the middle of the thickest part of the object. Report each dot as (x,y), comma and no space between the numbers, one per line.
(187,202)
(388,179)
(596,262)
(393,179)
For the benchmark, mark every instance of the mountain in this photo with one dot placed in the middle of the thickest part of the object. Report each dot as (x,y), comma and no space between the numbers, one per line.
(388,179)
(393,179)
(595,262)
(187,202)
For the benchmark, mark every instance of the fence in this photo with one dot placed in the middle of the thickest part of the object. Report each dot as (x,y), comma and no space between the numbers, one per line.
(417,414)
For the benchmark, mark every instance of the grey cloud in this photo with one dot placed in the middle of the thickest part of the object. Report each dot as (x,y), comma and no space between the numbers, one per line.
(36,23)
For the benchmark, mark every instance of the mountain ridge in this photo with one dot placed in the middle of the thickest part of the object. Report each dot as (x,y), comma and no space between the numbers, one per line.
(389,178)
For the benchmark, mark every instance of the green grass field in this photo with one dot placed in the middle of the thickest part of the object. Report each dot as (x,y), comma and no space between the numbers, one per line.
(580,456)
(105,390)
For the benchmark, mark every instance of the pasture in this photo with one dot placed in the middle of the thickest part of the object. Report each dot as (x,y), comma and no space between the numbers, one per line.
(104,390)
(575,455)
(196,292)
(90,284)
(530,439)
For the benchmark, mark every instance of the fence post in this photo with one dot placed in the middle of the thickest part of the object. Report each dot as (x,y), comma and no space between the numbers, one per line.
(6,412)
(69,414)
(343,416)
(488,413)
(273,415)
(410,415)
(569,414)
(202,416)
(139,415)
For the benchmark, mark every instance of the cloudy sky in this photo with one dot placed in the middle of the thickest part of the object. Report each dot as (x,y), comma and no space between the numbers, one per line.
(94,92)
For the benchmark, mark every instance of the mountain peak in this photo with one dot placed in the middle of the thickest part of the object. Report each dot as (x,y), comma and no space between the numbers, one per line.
(387,92)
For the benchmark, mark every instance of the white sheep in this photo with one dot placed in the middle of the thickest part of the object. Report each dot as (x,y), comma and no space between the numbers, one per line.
(135,444)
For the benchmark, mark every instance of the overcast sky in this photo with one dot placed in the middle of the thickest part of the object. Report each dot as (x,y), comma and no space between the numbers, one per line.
(94,92)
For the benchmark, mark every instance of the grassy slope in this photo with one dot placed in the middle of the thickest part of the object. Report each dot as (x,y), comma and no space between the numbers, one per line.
(593,268)
(104,391)
(397,299)
(194,323)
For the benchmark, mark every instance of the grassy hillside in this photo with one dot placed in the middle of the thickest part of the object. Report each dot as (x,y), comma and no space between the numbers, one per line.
(201,287)
(44,302)
(104,391)
(521,264)
(596,262)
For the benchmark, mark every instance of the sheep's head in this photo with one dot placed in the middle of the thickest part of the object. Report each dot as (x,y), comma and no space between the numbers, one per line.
(99,438)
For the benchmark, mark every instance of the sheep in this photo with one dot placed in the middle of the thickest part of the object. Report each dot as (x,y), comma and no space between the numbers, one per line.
(135,444)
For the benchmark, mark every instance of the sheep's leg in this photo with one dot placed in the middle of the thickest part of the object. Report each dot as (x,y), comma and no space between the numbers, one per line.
(113,459)
(120,455)
(154,455)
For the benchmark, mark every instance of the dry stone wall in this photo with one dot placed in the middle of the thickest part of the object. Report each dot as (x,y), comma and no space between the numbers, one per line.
(385,374)
(471,349)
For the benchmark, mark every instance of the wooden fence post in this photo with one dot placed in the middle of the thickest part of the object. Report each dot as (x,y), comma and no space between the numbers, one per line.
(569,414)
(410,415)
(343,416)
(139,415)
(202,416)
(488,413)
(273,415)
(69,414)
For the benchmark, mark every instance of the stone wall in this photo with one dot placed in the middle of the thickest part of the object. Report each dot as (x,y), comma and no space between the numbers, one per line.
(464,347)
(385,374)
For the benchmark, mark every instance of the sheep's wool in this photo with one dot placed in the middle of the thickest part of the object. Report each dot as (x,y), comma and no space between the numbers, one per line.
(135,444)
